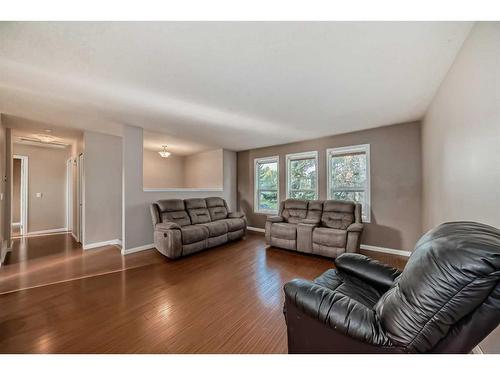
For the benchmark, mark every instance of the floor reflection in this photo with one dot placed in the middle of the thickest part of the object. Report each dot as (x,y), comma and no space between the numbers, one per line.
(268,280)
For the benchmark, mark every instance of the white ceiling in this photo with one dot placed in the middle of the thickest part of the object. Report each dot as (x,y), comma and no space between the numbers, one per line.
(236,85)
(22,127)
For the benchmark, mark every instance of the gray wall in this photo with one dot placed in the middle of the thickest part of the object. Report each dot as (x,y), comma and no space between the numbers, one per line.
(461,141)
(46,175)
(137,226)
(395,180)
(103,187)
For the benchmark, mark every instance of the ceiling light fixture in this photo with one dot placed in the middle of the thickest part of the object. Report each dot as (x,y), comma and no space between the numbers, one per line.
(164,153)
(45,138)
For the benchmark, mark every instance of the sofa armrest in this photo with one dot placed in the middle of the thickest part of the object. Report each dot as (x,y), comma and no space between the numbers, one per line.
(235,215)
(355,227)
(274,219)
(336,310)
(380,275)
(167,225)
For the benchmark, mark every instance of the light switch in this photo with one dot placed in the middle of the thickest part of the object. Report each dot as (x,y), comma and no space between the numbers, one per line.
(38,195)
(1,196)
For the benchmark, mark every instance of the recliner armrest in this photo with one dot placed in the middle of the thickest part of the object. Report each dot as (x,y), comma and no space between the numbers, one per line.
(235,215)
(380,275)
(275,219)
(355,227)
(309,222)
(167,225)
(336,310)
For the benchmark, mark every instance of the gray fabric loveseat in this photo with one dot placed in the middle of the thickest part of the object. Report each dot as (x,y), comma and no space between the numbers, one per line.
(328,228)
(183,227)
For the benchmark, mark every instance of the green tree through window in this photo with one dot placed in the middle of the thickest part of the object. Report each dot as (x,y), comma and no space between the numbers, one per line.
(267,185)
(302,176)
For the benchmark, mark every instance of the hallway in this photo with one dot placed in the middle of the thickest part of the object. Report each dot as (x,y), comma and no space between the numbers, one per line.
(47,259)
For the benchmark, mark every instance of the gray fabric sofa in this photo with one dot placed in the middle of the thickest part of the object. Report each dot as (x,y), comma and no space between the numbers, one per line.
(183,227)
(328,228)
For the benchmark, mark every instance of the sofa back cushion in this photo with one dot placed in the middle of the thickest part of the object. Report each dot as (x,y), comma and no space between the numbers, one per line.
(173,210)
(217,208)
(197,210)
(315,210)
(452,271)
(294,210)
(337,214)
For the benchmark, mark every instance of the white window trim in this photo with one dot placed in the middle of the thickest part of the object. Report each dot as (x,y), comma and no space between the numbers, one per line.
(256,161)
(298,156)
(346,150)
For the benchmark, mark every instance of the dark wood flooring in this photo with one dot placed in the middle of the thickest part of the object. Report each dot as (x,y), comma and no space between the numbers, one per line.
(56,298)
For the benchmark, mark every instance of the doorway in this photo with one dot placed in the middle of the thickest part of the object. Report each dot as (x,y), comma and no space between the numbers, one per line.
(19,195)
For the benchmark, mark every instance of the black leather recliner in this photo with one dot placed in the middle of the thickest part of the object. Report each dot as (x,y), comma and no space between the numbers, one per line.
(447,299)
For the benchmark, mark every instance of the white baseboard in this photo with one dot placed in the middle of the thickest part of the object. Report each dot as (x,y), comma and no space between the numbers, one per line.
(16,224)
(387,250)
(89,246)
(74,237)
(477,350)
(47,231)
(138,248)
(254,229)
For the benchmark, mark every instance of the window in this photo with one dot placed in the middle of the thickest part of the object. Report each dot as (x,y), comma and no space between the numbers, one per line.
(348,177)
(302,175)
(266,185)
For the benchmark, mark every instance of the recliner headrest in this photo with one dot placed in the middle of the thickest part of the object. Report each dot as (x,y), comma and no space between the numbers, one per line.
(170,205)
(295,204)
(452,271)
(215,202)
(195,203)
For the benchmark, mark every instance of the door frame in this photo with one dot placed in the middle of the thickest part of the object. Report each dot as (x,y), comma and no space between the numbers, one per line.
(69,194)
(24,193)
(81,198)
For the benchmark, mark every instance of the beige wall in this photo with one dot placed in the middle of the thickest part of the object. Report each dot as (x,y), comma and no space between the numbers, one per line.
(395,180)
(461,141)
(16,191)
(163,172)
(103,187)
(4,230)
(137,226)
(201,170)
(46,175)
(204,170)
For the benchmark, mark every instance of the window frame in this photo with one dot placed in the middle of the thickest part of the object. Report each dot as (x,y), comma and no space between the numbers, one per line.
(256,191)
(337,151)
(301,156)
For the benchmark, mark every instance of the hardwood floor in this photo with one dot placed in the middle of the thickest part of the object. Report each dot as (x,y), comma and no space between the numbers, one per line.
(224,300)
(42,260)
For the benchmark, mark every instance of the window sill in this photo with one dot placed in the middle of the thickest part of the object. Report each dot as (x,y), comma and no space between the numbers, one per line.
(159,190)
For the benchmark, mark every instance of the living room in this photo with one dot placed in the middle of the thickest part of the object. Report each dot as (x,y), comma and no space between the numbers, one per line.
(257,187)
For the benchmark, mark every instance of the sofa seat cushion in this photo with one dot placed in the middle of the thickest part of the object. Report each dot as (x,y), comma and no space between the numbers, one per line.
(216,228)
(285,231)
(234,224)
(329,237)
(351,287)
(193,233)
